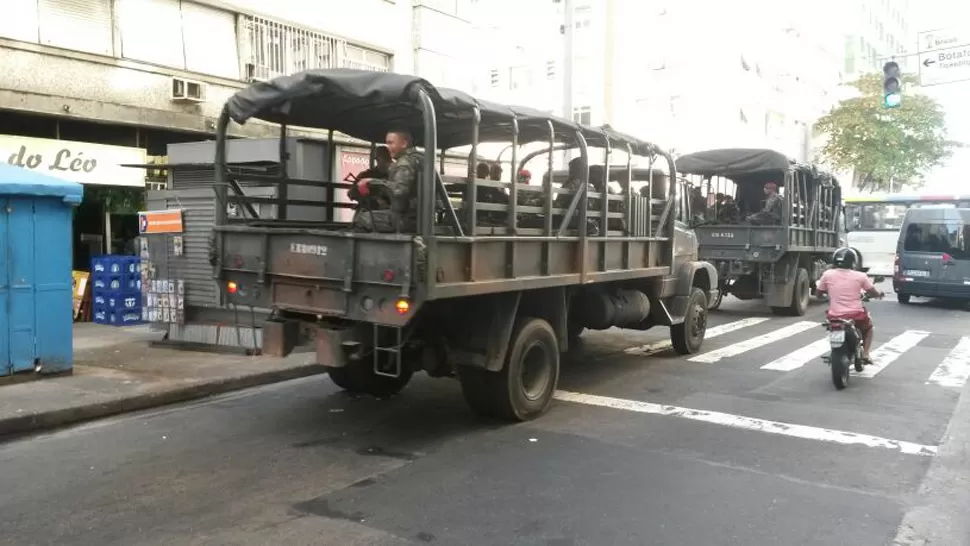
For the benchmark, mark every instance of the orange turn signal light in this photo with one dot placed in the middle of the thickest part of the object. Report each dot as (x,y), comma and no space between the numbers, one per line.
(232,287)
(402,306)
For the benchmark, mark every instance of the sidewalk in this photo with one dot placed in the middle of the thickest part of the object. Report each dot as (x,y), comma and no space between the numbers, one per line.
(116,371)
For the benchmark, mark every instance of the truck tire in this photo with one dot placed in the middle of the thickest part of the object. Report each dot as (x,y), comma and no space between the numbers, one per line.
(359,377)
(523,389)
(801,295)
(688,336)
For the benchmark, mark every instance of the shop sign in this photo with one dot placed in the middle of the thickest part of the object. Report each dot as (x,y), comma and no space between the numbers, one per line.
(82,162)
(153,222)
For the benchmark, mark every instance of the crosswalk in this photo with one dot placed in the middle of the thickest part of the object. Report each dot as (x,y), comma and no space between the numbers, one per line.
(952,371)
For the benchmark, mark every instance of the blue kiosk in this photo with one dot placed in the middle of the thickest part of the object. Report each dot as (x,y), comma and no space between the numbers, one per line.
(36,300)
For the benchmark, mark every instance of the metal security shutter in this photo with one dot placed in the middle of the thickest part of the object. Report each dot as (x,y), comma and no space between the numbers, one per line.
(211,46)
(151,31)
(194,267)
(19,21)
(79,25)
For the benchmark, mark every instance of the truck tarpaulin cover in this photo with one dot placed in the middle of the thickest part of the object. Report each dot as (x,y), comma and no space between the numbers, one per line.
(366,104)
(732,163)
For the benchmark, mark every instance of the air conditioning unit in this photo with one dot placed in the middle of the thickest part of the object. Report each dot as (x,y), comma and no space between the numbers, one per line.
(184,90)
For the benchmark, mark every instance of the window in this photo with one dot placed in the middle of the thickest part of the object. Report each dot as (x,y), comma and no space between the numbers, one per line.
(269,49)
(493,78)
(80,25)
(583,115)
(874,216)
(551,70)
(520,77)
(20,20)
(951,237)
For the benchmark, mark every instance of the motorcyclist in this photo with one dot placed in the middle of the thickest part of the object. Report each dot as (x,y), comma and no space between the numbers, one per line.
(844,284)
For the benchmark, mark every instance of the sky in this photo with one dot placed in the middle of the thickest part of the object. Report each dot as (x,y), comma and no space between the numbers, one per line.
(954,98)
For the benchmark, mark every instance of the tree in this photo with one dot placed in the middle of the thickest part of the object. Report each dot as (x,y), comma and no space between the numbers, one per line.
(886,148)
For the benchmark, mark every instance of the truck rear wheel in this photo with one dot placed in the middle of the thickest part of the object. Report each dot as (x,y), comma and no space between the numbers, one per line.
(523,389)
(359,377)
(688,336)
(800,296)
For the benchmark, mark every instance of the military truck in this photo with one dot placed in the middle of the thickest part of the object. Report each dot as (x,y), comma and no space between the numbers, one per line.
(493,303)
(779,259)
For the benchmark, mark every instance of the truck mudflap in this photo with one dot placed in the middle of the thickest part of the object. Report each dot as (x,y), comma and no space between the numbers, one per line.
(694,274)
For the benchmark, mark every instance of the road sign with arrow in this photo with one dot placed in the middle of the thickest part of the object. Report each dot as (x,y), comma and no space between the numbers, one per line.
(944,56)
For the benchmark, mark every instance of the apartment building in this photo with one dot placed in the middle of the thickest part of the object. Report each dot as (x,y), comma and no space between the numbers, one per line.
(689,75)
(143,73)
(874,31)
(92,85)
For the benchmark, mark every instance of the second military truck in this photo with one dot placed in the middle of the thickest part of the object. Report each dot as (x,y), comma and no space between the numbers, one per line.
(769,224)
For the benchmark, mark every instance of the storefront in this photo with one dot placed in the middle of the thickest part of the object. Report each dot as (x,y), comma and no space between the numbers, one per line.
(113,194)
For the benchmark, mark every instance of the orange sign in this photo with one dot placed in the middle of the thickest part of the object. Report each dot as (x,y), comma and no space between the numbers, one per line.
(160,221)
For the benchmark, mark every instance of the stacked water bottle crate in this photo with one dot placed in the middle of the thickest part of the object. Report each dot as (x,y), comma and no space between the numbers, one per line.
(116,290)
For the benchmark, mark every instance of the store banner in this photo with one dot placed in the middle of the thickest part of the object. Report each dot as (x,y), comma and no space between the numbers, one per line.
(82,162)
(152,222)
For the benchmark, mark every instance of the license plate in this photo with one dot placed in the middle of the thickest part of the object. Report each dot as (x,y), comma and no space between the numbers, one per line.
(837,336)
(915,273)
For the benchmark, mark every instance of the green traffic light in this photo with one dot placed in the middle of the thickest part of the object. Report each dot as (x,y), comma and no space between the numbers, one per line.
(892,100)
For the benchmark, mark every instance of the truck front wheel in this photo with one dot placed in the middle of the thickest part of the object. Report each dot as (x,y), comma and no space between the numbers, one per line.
(523,389)
(359,377)
(688,336)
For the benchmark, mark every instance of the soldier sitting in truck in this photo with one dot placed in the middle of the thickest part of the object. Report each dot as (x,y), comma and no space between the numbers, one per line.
(394,208)
(727,211)
(770,214)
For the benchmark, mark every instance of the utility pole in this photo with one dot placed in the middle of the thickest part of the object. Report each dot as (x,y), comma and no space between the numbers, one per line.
(568,30)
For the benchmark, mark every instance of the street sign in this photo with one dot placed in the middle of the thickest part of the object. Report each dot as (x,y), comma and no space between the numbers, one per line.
(932,40)
(944,66)
(944,56)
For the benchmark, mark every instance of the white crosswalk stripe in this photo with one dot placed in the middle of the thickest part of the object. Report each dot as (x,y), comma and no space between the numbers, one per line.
(889,352)
(712,332)
(955,368)
(797,359)
(952,372)
(753,343)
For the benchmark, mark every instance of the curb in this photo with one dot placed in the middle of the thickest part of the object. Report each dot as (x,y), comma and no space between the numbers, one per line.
(35,422)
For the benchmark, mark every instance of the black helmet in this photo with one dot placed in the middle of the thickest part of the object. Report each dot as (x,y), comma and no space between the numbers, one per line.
(844,258)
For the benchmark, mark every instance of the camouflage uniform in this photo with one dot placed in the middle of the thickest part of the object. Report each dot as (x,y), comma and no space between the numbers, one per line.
(398,209)
(770,214)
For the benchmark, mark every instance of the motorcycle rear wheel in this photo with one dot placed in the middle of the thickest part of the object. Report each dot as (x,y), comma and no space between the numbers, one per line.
(840,369)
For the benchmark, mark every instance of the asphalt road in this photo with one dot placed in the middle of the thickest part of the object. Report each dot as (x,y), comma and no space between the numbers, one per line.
(747,443)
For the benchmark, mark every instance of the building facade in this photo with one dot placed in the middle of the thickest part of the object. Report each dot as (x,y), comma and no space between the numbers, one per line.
(746,73)
(874,31)
(96,84)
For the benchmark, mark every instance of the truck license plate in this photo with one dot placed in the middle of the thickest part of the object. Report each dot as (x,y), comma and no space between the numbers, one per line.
(915,273)
(837,337)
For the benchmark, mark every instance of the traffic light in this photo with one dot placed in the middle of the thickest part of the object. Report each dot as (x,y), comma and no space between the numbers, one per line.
(891,85)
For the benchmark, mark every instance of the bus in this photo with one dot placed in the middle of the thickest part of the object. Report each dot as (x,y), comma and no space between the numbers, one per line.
(873,221)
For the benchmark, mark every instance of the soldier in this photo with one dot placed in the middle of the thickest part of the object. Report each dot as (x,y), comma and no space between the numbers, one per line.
(397,212)
(771,213)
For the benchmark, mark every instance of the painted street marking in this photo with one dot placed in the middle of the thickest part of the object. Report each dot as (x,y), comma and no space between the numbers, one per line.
(750,423)
(753,343)
(890,351)
(712,332)
(955,368)
(797,359)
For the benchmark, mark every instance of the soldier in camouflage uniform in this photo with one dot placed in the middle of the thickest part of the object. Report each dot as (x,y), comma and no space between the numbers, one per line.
(397,209)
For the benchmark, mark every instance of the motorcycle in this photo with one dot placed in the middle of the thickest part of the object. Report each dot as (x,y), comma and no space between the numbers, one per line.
(845,340)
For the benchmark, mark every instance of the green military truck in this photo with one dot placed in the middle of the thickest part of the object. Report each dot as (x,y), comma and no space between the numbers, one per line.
(778,259)
(493,303)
